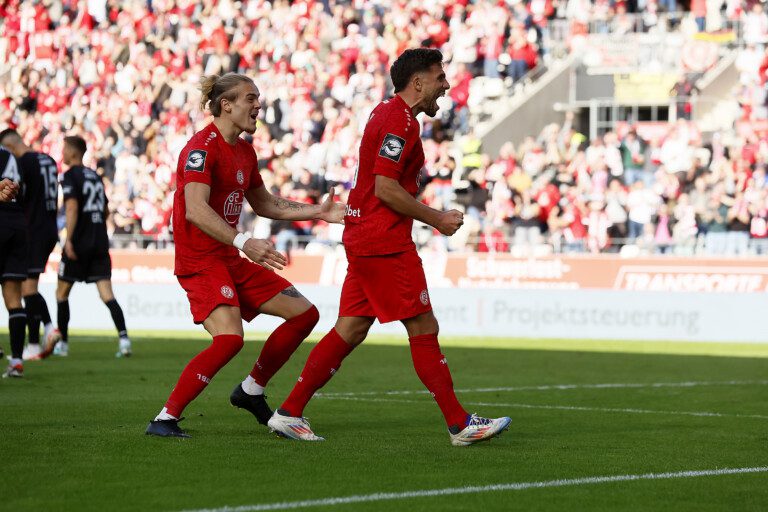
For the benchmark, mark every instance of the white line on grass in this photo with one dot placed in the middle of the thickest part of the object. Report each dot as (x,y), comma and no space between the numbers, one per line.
(563,407)
(473,489)
(549,387)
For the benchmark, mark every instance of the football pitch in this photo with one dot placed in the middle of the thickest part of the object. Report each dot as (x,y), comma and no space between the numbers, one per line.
(596,427)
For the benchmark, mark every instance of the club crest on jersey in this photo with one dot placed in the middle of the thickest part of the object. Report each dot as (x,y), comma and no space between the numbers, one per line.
(227,292)
(196,160)
(233,206)
(424,297)
(240,177)
(392,147)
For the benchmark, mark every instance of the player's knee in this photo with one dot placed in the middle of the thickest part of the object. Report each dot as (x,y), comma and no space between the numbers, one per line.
(230,343)
(423,324)
(12,302)
(237,345)
(356,335)
(62,292)
(310,317)
(29,287)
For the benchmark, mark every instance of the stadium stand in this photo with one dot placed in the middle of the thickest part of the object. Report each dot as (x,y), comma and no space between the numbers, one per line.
(124,74)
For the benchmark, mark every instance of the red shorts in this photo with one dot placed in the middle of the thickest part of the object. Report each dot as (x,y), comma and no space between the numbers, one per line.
(236,282)
(390,287)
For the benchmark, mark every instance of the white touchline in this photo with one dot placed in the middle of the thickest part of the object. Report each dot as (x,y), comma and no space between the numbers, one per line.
(473,489)
(549,387)
(562,407)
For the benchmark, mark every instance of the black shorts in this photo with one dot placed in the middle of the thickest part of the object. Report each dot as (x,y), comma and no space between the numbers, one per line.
(88,268)
(13,253)
(39,251)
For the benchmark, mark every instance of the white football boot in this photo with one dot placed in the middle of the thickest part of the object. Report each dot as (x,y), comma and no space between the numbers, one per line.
(292,428)
(61,349)
(31,352)
(479,429)
(52,339)
(124,348)
(14,370)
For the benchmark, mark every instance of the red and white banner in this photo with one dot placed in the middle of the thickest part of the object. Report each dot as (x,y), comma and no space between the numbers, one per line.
(602,272)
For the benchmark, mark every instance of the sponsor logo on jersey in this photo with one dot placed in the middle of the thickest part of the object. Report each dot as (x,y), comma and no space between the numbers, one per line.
(392,147)
(196,160)
(424,297)
(233,206)
(227,292)
(240,177)
(352,212)
(210,137)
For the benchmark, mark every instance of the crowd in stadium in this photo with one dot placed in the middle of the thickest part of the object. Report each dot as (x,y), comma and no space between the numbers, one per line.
(124,75)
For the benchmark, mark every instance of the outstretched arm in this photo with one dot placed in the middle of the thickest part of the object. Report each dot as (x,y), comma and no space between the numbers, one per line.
(391,193)
(274,207)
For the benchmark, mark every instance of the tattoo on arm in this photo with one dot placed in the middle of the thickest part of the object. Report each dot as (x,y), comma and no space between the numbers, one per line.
(285,204)
(291,291)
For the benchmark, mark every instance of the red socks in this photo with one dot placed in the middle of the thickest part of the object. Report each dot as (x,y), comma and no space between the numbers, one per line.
(324,360)
(201,369)
(432,368)
(282,343)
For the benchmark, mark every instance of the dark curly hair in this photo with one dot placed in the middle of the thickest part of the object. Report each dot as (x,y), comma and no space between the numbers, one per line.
(410,62)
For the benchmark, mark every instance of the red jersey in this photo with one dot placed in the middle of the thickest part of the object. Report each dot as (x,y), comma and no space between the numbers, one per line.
(229,171)
(391,147)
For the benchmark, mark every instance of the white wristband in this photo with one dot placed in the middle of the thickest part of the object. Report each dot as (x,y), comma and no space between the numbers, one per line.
(240,240)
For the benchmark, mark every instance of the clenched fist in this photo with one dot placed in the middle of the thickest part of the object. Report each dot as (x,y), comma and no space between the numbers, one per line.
(450,222)
(8,190)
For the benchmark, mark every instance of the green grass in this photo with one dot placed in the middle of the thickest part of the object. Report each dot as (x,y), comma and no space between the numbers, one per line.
(72,430)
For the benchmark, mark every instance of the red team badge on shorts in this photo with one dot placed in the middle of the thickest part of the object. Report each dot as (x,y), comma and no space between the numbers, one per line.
(424,297)
(227,292)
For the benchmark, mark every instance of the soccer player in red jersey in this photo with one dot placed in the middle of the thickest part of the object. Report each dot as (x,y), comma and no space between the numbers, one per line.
(217,171)
(385,278)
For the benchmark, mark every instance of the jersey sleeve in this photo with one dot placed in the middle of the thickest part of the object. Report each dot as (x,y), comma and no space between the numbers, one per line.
(394,141)
(197,163)
(69,186)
